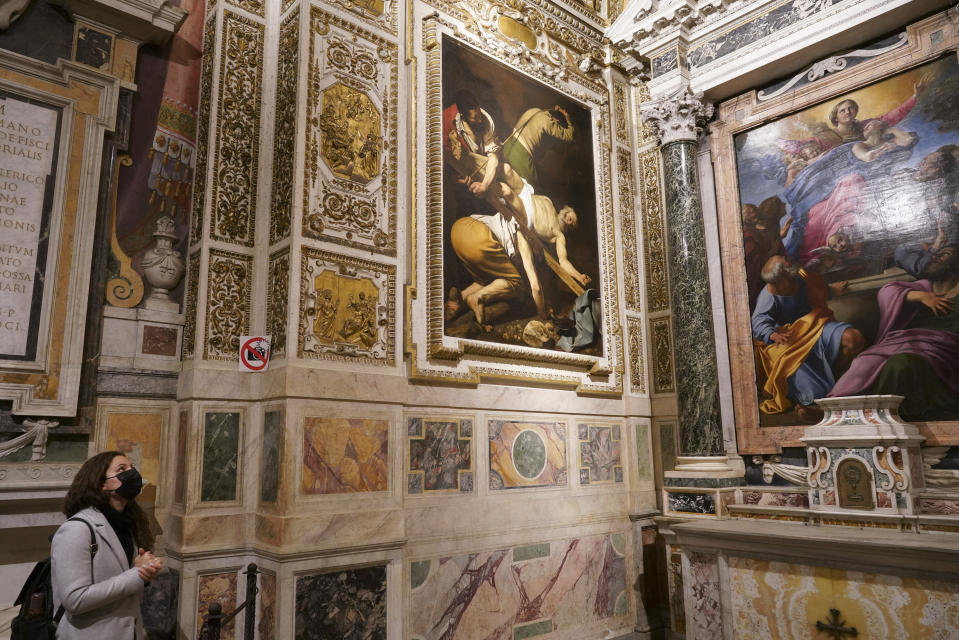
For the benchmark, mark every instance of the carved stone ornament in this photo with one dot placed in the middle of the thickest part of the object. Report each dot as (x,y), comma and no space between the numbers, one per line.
(163,267)
(36,435)
(10,10)
(679,116)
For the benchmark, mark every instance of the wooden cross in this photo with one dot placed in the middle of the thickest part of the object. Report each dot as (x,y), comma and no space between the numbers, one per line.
(834,627)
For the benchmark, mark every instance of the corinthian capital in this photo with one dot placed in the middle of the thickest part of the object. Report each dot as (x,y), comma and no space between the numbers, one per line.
(678,116)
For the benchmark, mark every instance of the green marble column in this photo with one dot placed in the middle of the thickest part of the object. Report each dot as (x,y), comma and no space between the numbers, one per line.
(678,117)
(697,384)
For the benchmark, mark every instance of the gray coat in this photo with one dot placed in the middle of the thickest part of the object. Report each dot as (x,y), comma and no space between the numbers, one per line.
(109,608)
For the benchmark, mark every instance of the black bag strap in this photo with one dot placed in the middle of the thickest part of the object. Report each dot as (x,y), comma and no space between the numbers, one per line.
(94,547)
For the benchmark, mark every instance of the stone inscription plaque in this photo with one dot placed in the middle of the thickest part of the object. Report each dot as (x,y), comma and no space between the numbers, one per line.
(28,150)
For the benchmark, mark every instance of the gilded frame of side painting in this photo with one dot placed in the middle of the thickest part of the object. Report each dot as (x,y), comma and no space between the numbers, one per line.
(842,192)
(462,327)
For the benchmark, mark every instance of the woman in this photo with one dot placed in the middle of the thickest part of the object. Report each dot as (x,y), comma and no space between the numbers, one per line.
(100,592)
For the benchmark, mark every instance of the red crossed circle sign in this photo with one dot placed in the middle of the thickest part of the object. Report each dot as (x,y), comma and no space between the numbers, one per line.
(253,356)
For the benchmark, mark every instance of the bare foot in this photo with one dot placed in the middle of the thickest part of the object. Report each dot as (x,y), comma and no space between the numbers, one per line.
(476,304)
(809,413)
(454,304)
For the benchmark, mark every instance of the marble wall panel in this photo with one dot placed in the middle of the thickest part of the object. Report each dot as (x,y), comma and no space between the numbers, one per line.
(667,445)
(777,600)
(266,600)
(677,609)
(527,454)
(440,455)
(179,486)
(644,458)
(345,455)
(217,587)
(520,593)
(703,601)
(599,453)
(221,440)
(160,606)
(138,436)
(346,605)
(272,445)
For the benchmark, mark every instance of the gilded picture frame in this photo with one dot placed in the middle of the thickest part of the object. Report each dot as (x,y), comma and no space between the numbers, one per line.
(516,336)
(856,198)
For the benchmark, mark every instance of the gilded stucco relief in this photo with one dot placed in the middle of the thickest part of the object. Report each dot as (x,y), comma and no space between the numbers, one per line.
(349,308)
(203,129)
(284,142)
(662,355)
(637,355)
(621,110)
(190,308)
(278,291)
(351,183)
(233,198)
(654,233)
(624,168)
(229,285)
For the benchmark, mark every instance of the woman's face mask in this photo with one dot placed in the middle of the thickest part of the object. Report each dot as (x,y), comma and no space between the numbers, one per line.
(131,483)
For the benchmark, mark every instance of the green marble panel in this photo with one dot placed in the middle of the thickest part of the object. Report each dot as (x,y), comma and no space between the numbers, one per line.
(532,629)
(643,459)
(221,445)
(530,551)
(667,445)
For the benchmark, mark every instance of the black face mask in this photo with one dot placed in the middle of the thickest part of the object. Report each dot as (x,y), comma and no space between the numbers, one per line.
(131,483)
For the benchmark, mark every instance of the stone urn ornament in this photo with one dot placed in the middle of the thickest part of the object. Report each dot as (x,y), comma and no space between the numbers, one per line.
(163,267)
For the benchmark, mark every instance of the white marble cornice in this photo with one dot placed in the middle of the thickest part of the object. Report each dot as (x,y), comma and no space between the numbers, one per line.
(145,21)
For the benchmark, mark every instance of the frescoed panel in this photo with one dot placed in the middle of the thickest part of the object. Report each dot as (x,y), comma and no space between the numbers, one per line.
(546,177)
(347,605)
(527,454)
(221,440)
(217,587)
(523,592)
(440,455)
(644,452)
(599,453)
(848,227)
(138,436)
(272,444)
(776,600)
(344,455)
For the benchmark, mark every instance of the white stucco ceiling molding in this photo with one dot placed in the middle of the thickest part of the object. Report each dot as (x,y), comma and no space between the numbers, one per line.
(679,116)
(732,46)
(145,21)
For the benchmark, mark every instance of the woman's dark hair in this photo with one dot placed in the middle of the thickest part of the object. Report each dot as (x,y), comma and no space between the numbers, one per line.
(87,491)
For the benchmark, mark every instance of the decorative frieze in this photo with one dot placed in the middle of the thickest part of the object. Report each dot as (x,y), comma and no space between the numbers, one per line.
(190,308)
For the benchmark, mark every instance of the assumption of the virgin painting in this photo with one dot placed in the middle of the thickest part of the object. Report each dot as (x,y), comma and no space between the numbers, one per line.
(850,227)
(520,252)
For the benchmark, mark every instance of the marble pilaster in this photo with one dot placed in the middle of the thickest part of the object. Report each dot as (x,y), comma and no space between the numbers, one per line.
(677,118)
